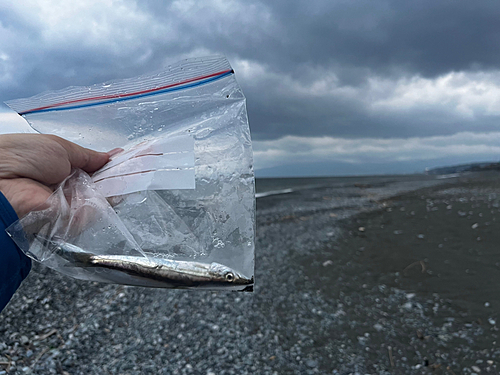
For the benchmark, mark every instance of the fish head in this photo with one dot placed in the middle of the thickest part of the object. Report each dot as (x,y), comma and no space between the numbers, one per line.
(227,276)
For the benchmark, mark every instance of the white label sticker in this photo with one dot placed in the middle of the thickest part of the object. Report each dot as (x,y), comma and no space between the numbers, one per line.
(160,164)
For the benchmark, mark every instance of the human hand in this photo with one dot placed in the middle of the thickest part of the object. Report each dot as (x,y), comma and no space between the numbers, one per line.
(32,165)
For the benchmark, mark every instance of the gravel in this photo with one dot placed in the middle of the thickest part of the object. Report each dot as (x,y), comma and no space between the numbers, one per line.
(306,316)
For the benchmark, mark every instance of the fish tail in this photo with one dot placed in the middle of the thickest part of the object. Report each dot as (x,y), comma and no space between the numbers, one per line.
(68,252)
(79,259)
(75,258)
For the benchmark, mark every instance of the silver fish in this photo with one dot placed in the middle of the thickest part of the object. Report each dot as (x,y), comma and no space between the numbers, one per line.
(156,271)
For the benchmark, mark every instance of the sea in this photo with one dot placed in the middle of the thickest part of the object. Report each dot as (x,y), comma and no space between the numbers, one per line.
(277,186)
(303,194)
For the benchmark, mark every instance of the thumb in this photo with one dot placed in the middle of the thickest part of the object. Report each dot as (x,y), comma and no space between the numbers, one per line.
(93,160)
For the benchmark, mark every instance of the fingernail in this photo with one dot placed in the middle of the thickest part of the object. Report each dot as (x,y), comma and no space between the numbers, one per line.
(114,151)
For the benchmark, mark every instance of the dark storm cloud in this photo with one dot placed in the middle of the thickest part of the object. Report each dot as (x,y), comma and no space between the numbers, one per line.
(425,37)
(291,48)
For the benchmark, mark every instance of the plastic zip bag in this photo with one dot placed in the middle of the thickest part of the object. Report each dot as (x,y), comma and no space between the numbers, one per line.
(180,207)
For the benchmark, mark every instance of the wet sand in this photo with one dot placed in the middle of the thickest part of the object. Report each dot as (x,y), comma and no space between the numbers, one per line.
(443,240)
(417,278)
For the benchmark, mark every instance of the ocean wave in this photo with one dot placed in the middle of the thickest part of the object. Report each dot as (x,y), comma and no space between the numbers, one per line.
(273,192)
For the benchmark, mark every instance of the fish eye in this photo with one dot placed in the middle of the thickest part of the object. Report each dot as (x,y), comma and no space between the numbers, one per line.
(229,276)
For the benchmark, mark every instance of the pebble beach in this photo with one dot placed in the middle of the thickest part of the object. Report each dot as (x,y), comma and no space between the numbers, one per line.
(381,275)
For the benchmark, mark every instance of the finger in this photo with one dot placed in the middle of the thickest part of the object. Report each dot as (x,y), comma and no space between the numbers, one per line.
(25,195)
(115,200)
(85,208)
(114,151)
(82,217)
(83,158)
(95,160)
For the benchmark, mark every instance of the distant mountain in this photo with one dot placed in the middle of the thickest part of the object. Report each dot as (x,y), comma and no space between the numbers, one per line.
(471,167)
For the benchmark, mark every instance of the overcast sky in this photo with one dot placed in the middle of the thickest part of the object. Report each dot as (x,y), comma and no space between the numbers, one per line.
(333,87)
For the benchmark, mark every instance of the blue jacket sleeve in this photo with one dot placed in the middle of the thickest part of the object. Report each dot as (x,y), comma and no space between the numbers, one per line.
(14,265)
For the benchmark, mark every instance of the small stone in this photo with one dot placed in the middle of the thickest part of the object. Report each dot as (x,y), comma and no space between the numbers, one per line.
(476,369)
(327,263)
(492,321)
(421,236)
(407,306)
(24,340)
(311,363)
(378,327)
(486,304)
(398,232)
(361,229)
(410,295)
(474,226)
(489,362)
